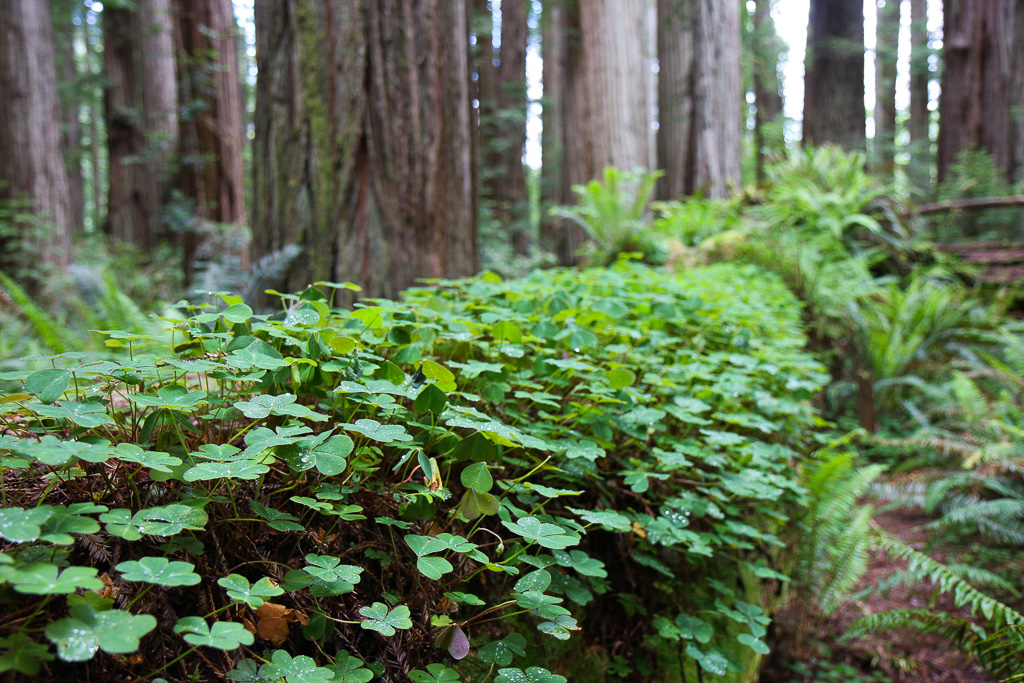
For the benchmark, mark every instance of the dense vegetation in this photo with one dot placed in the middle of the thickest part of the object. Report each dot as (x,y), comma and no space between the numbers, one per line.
(624,472)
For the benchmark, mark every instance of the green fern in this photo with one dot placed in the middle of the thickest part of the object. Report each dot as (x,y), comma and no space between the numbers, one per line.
(49,331)
(999,649)
(834,554)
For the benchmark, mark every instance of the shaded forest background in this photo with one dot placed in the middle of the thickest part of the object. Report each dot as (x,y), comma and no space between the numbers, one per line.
(381,143)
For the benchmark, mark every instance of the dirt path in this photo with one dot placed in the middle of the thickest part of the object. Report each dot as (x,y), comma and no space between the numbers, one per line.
(900,656)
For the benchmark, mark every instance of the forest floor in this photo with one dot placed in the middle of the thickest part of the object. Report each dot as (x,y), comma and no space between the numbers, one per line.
(897,657)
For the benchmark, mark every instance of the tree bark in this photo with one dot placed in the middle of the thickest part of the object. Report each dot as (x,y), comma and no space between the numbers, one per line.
(501,93)
(69,90)
(601,95)
(834,75)
(31,164)
(141,109)
(767,87)
(510,190)
(363,153)
(555,233)
(981,46)
(887,38)
(699,97)
(212,136)
(919,119)
(159,95)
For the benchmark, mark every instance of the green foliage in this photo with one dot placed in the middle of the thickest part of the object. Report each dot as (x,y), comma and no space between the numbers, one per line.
(835,532)
(998,646)
(974,175)
(613,211)
(494,456)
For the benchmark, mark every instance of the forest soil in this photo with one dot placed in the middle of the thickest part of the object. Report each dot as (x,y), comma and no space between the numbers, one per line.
(898,656)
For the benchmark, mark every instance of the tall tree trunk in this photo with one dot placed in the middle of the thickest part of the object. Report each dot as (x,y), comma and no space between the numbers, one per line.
(363,153)
(834,74)
(501,93)
(212,175)
(159,96)
(212,137)
(887,38)
(919,117)
(699,97)
(981,45)
(94,66)
(1015,168)
(31,165)
(768,137)
(69,89)
(510,192)
(555,234)
(140,108)
(606,115)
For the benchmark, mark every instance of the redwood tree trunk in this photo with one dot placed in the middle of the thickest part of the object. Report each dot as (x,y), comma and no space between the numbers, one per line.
(887,37)
(604,103)
(554,187)
(141,110)
(768,135)
(363,152)
(69,90)
(919,116)
(212,136)
(981,46)
(510,189)
(699,97)
(31,165)
(834,74)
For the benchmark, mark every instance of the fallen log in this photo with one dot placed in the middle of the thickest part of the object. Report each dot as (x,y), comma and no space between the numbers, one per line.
(979,203)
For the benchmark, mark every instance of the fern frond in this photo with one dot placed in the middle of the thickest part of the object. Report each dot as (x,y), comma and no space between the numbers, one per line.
(49,331)
(962,633)
(964,594)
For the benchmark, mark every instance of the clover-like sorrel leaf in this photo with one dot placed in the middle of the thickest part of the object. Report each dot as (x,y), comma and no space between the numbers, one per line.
(301,669)
(544,534)
(376,431)
(170,519)
(84,414)
(259,407)
(253,595)
(48,385)
(324,452)
(435,673)
(154,460)
(502,651)
(19,525)
(477,477)
(237,469)
(22,655)
(282,521)
(349,669)
(223,635)
(55,452)
(612,520)
(455,640)
(534,674)
(581,562)
(379,618)
(43,578)
(237,313)
(87,630)
(159,570)
(171,397)
(63,522)
(474,505)
(434,567)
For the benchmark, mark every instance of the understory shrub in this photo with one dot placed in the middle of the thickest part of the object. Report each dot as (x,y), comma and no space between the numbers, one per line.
(445,487)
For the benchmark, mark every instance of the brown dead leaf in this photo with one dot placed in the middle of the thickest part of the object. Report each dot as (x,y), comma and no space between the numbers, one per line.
(273,619)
